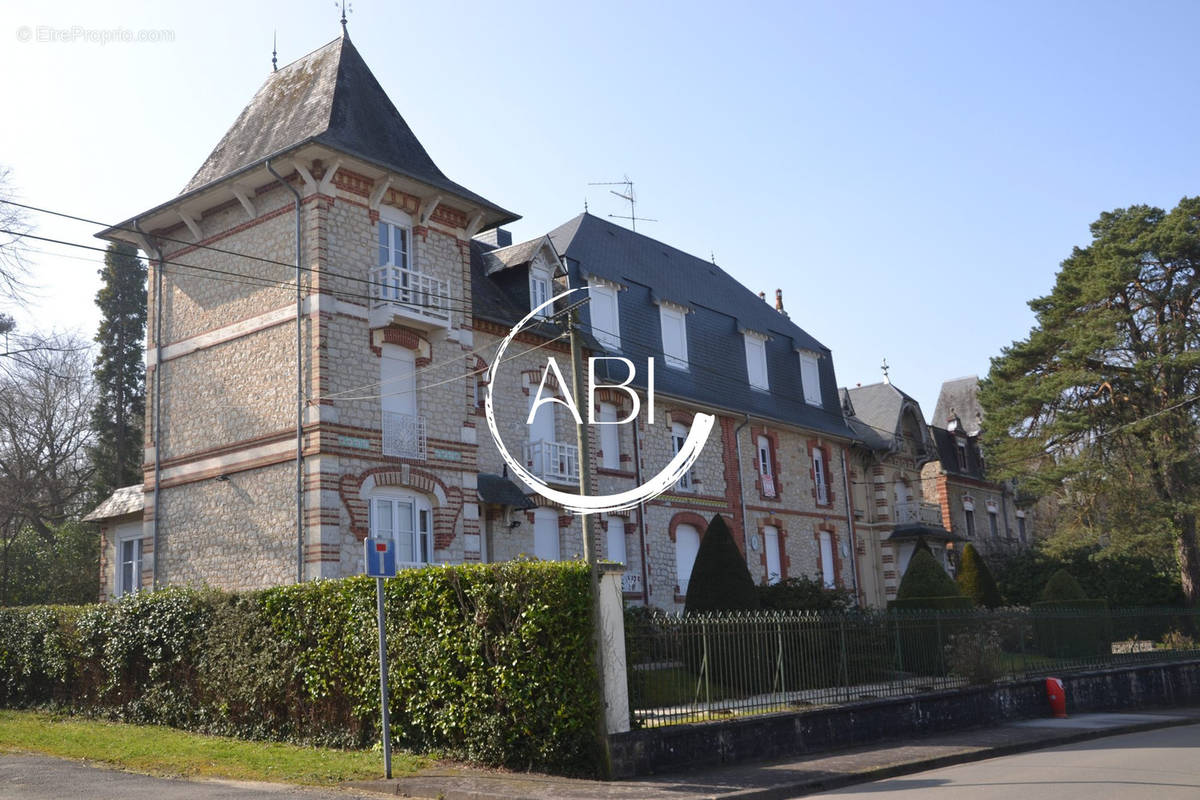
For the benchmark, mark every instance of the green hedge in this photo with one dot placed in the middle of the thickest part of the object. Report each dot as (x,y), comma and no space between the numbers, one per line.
(490,663)
(945,603)
(1060,630)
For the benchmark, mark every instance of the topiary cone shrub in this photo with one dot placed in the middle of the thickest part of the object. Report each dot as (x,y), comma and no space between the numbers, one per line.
(921,638)
(1067,624)
(975,579)
(733,654)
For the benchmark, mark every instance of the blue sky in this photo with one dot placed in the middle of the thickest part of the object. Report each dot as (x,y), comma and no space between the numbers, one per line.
(910,175)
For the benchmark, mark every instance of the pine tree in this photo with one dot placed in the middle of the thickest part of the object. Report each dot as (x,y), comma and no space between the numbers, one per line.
(119,414)
(925,578)
(975,579)
(720,579)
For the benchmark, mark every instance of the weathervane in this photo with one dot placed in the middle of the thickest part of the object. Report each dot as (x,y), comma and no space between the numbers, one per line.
(345,9)
(884,366)
(274,48)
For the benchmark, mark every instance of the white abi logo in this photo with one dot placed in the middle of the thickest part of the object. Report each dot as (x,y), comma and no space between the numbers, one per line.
(675,469)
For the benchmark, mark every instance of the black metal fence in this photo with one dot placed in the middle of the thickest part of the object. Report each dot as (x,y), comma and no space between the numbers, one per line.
(716,666)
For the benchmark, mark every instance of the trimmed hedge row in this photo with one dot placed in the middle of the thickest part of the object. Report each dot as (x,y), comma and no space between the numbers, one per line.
(490,663)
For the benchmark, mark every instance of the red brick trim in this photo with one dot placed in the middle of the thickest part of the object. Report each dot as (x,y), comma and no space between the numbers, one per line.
(687,518)
(444,517)
(681,416)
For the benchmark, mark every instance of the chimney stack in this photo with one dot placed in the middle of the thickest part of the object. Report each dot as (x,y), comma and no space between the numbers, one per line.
(779,300)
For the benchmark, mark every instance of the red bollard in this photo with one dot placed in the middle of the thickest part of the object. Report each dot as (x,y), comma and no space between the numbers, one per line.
(1057,696)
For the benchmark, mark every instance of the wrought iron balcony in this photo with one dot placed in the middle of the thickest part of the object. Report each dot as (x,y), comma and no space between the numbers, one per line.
(553,461)
(918,513)
(403,435)
(411,296)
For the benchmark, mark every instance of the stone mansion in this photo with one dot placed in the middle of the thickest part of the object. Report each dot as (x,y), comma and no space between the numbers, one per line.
(325,305)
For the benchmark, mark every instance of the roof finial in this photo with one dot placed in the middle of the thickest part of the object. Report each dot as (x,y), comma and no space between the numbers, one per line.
(344,33)
(585,208)
(884,366)
(274,48)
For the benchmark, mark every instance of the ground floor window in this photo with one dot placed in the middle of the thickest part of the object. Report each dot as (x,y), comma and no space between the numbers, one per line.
(828,575)
(129,570)
(545,534)
(687,544)
(771,547)
(406,519)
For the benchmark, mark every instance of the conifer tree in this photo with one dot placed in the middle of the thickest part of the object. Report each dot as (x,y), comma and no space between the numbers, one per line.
(975,579)
(119,414)
(720,579)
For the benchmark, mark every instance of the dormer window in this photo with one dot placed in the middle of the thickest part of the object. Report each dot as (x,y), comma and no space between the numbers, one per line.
(756,360)
(606,323)
(539,292)
(810,378)
(961,449)
(673,320)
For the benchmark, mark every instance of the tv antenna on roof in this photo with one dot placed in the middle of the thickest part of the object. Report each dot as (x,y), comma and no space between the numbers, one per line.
(628,197)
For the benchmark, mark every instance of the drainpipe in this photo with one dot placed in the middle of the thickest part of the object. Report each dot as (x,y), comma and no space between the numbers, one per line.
(299,388)
(737,441)
(850,527)
(643,556)
(157,426)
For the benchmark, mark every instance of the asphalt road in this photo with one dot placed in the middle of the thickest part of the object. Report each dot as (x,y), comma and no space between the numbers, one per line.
(45,778)
(1160,765)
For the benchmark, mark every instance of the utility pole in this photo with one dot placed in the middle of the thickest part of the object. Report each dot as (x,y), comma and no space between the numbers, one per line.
(589,525)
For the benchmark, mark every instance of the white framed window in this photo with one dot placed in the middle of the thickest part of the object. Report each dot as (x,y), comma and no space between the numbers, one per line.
(810,378)
(828,575)
(820,482)
(606,320)
(616,539)
(756,360)
(398,380)
(395,242)
(610,437)
(129,559)
(679,433)
(673,321)
(766,472)
(687,545)
(539,291)
(771,548)
(545,534)
(407,519)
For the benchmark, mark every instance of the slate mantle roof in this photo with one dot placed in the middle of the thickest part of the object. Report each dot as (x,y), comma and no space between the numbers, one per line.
(877,410)
(329,97)
(124,501)
(960,397)
(720,307)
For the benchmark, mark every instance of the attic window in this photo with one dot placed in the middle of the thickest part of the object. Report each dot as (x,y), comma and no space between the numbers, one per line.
(539,291)
(606,323)
(673,320)
(756,360)
(810,378)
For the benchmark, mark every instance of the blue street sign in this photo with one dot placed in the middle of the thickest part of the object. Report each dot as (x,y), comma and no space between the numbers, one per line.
(381,558)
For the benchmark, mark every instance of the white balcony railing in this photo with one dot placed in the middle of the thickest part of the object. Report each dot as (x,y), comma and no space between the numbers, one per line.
(403,435)
(553,461)
(631,583)
(918,513)
(410,294)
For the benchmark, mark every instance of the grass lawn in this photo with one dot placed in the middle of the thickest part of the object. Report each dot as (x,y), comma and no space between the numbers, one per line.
(164,751)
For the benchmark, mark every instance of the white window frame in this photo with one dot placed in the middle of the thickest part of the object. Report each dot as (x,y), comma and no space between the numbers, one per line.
(610,437)
(673,318)
(683,558)
(419,522)
(604,294)
(828,573)
(756,360)
(820,476)
(679,434)
(766,469)
(134,536)
(398,380)
(810,377)
(539,290)
(548,519)
(773,554)
(616,548)
(390,221)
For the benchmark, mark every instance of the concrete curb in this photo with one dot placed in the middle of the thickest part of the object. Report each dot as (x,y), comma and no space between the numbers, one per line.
(512,786)
(840,781)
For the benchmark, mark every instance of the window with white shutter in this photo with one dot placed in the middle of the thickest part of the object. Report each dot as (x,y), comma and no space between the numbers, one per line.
(810,379)
(756,360)
(673,321)
(606,324)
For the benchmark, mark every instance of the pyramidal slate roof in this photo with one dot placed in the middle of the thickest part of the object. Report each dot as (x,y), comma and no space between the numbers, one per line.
(331,97)
(959,397)
(720,309)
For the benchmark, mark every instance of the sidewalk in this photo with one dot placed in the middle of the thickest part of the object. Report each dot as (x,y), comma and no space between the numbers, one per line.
(791,778)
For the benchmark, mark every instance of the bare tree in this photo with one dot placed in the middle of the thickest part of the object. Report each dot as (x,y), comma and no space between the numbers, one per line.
(46,397)
(14,262)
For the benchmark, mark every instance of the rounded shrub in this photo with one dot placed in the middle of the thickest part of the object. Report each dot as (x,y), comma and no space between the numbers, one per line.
(975,579)
(1062,587)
